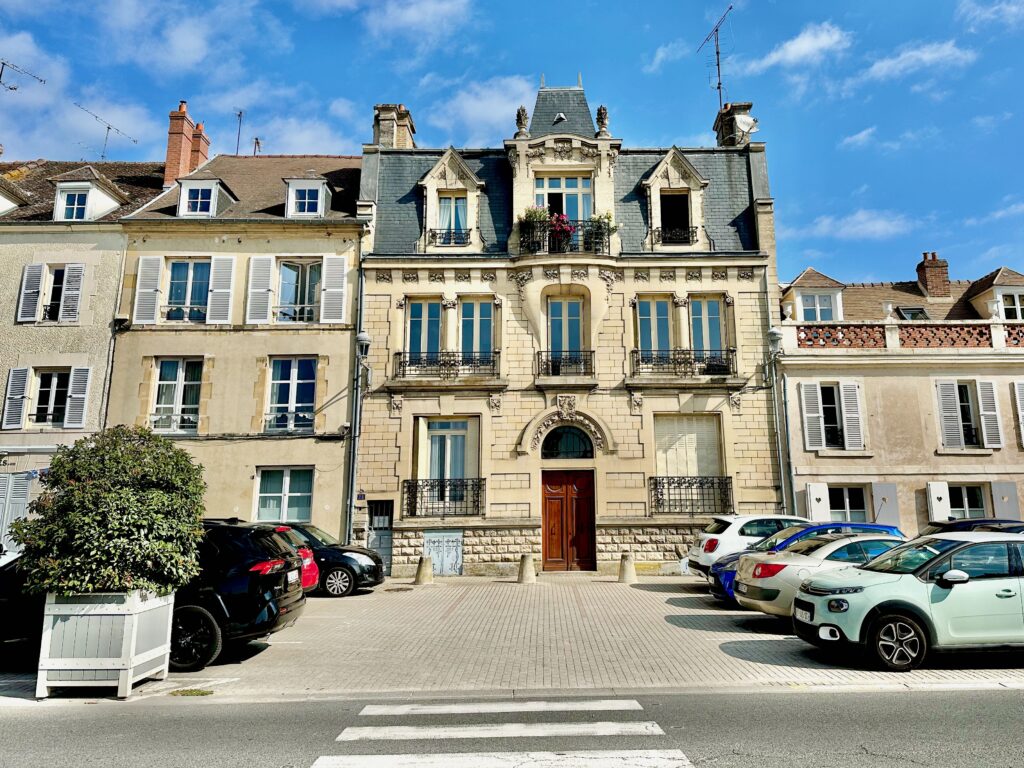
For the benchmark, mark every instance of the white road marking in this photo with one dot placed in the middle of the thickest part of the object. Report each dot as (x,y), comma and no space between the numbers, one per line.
(495,707)
(653,758)
(497,731)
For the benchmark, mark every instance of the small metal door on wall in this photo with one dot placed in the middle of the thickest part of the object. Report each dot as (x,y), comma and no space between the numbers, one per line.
(382,513)
(14,491)
(444,548)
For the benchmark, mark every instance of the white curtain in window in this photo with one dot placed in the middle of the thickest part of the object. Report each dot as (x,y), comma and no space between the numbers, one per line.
(444,213)
(460,213)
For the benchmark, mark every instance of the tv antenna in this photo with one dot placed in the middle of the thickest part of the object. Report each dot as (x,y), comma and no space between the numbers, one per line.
(257,145)
(106,136)
(4,64)
(713,35)
(238,140)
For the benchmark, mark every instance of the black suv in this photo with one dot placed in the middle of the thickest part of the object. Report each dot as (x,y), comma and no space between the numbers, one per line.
(250,586)
(344,568)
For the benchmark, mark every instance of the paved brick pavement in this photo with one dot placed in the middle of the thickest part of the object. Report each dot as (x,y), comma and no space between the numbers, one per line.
(567,632)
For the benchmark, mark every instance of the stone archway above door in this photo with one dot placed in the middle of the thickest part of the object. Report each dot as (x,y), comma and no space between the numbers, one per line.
(565,413)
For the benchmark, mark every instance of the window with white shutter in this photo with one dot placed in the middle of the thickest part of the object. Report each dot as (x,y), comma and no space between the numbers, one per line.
(14,493)
(688,446)
(1018,391)
(147,290)
(261,273)
(31,291)
(332,302)
(222,281)
(78,398)
(16,398)
(71,293)
(988,415)
(810,402)
(969,415)
(853,429)
(949,414)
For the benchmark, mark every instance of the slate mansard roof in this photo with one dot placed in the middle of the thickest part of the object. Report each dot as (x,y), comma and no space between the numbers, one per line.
(137,183)
(555,102)
(259,187)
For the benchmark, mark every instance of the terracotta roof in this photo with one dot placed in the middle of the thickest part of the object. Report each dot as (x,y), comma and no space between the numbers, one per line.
(863,301)
(1001,276)
(258,185)
(90,174)
(13,192)
(138,183)
(812,278)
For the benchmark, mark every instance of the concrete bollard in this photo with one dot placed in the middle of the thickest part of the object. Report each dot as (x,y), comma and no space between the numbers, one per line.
(424,571)
(527,573)
(627,569)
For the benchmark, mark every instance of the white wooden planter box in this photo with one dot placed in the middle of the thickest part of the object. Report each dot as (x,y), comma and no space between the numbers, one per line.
(104,639)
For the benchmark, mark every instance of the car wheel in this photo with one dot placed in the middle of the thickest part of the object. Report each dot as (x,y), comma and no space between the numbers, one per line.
(898,642)
(195,639)
(339,582)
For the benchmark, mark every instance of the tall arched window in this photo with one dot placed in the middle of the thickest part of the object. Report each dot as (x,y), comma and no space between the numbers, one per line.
(567,443)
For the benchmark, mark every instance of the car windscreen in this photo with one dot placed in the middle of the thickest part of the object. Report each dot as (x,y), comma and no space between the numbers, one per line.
(764,545)
(806,546)
(907,558)
(717,526)
(317,535)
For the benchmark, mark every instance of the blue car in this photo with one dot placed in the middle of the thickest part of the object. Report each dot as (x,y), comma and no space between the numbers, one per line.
(723,572)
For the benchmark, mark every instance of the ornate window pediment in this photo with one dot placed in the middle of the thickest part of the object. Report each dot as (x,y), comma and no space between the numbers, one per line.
(451,205)
(675,199)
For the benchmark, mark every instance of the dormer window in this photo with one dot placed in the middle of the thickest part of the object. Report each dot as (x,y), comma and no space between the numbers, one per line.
(307,198)
(675,199)
(307,201)
(818,307)
(199,201)
(74,204)
(912,313)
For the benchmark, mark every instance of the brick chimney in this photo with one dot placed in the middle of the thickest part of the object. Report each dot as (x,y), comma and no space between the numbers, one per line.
(728,133)
(179,145)
(933,275)
(393,126)
(200,148)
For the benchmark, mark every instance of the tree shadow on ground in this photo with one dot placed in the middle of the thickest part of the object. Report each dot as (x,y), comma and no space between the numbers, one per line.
(695,588)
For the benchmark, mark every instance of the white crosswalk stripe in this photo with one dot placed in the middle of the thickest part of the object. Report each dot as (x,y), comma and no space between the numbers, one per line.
(548,728)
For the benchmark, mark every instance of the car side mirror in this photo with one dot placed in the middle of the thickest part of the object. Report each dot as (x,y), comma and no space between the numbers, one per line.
(955,576)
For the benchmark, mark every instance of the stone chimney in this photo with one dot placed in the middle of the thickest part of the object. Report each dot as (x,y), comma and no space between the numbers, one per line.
(200,148)
(179,145)
(933,275)
(393,126)
(729,134)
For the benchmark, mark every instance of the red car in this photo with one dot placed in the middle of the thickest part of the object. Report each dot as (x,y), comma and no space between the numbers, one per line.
(310,570)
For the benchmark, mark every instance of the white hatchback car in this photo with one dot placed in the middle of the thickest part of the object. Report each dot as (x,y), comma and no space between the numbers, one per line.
(726,534)
(769,581)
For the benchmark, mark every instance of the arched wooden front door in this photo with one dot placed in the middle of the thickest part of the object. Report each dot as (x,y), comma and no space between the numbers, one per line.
(569,539)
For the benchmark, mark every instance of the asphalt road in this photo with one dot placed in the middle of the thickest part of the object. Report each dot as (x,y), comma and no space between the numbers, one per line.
(949,728)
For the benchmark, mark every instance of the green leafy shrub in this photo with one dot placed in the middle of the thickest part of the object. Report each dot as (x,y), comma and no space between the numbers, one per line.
(120,510)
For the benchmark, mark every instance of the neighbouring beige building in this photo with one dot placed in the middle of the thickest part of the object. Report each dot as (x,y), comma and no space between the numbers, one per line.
(234,333)
(61,255)
(905,400)
(568,342)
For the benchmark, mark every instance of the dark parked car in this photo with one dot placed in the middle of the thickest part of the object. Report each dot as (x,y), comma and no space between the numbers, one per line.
(21,629)
(344,568)
(961,525)
(250,586)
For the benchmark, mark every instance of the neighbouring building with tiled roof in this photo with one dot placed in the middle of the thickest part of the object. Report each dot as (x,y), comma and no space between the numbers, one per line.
(904,400)
(235,328)
(567,342)
(61,253)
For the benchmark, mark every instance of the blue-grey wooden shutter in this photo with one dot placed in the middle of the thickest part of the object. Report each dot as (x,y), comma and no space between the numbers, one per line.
(78,398)
(14,491)
(814,431)
(16,397)
(1005,504)
(31,289)
(70,300)
(886,503)
(949,414)
(222,281)
(332,289)
(147,290)
(988,414)
(853,429)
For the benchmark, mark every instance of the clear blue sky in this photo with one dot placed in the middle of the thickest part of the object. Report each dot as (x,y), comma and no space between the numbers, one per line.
(891,126)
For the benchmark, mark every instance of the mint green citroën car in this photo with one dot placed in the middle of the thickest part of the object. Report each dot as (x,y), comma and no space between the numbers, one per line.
(944,592)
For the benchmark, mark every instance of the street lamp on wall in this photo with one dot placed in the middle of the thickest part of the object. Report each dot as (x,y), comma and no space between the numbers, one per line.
(775,341)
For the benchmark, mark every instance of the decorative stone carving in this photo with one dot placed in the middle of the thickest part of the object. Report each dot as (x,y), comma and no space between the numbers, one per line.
(522,121)
(534,154)
(513,160)
(636,403)
(642,275)
(745,274)
(667,275)
(494,403)
(550,273)
(489,277)
(602,122)
(436,277)
(610,277)
(449,303)
(411,277)
(462,277)
(612,157)
(395,405)
(719,274)
(735,401)
(680,301)
(694,274)
(632,301)
(497,302)
(589,153)
(383,275)
(573,417)
(566,405)
(729,300)
(400,303)
(563,149)
(787,309)
(521,278)
(580,274)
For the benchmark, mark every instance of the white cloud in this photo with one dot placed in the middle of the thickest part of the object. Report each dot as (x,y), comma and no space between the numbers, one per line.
(931,89)
(988,123)
(862,224)
(665,54)
(927,56)
(1006,13)
(344,109)
(700,139)
(482,112)
(327,6)
(1010,210)
(859,139)
(297,135)
(426,24)
(814,43)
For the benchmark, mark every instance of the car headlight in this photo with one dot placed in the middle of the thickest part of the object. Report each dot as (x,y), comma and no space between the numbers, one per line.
(364,560)
(838,606)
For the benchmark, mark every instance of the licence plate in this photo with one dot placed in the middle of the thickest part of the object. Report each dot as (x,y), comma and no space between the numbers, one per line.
(801,615)
(293,576)
(741,587)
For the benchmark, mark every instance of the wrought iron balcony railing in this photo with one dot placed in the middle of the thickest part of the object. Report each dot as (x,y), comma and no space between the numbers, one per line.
(449,236)
(445,365)
(184,313)
(444,498)
(685,363)
(675,235)
(297,313)
(691,496)
(289,421)
(573,236)
(174,422)
(559,363)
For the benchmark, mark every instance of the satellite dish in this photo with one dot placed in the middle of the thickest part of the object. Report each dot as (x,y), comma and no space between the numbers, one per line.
(746,124)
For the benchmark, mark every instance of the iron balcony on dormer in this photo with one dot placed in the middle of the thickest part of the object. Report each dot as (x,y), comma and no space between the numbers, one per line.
(568,236)
(449,236)
(675,235)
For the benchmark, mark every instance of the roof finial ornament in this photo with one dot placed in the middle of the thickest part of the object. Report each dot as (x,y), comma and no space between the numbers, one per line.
(522,119)
(541,79)
(602,122)
(579,79)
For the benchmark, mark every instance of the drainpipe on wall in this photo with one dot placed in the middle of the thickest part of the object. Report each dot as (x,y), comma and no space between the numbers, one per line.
(355,426)
(789,461)
(771,373)
(115,328)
